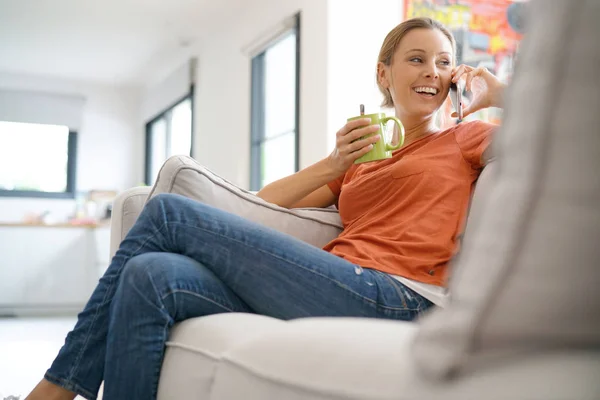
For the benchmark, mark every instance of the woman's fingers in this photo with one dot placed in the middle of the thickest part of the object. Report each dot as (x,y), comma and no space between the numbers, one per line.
(360,132)
(456,73)
(460,71)
(352,125)
(476,104)
(469,73)
(362,143)
(361,152)
(356,138)
(354,135)
(481,71)
(485,87)
(468,80)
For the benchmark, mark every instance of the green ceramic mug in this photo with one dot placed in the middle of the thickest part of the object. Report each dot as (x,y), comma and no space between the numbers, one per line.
(381,150)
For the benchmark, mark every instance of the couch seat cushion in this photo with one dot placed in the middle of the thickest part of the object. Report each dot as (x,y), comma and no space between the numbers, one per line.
(196,345)
(350,358)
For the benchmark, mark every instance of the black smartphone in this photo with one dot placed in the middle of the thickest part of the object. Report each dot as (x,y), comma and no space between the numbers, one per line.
(456,97)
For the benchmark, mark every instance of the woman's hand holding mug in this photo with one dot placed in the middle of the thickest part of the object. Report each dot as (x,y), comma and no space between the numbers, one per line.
(348,143)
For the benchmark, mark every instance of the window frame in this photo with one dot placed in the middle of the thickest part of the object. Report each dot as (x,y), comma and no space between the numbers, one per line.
(257,106)
(163,114)
(71,188)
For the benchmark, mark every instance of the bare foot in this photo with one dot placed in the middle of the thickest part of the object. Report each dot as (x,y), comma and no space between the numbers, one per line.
(46,390)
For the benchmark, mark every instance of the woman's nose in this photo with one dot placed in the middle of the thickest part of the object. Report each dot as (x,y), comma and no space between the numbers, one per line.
(432,72)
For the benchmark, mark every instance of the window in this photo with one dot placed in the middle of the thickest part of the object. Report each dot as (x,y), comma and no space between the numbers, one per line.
(275,102)
(37,160)
(169,134)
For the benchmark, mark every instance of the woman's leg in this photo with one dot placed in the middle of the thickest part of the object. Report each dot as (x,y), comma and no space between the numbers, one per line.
(276,274)
(279,275)
(302,280)
(155,291)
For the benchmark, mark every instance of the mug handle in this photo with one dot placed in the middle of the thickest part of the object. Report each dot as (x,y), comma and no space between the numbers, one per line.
(388,146)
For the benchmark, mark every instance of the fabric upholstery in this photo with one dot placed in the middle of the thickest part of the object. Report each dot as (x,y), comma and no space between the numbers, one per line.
(359,359)
(195,347)
(185,176)
(527,279)
(126,209)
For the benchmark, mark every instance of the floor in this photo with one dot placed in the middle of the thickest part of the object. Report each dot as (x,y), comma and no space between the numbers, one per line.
(27,348)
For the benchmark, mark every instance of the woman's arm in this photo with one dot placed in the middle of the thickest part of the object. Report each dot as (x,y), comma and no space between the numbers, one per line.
(308,188)
(305,188)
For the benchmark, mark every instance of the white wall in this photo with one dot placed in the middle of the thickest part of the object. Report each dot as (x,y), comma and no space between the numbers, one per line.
(158,96)
(223,87)
(340,41)
(110,141)
(355,31)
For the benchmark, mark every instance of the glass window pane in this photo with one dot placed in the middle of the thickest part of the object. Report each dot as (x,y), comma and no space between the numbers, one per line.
(280,87)
(41,153)
(170,135)
(278,158)
(158,138)
(181,128)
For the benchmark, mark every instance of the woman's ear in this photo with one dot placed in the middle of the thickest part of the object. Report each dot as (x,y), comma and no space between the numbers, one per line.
(382,78)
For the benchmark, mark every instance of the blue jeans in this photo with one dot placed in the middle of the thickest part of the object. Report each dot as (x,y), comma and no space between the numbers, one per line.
(184,259)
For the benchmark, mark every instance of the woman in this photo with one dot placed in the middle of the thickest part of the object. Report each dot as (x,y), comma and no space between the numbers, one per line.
(402,218)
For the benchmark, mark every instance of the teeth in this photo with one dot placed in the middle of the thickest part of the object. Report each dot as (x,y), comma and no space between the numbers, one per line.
(425,89)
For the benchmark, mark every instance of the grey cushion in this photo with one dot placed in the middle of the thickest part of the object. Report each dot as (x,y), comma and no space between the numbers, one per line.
(185,176)
(529,273)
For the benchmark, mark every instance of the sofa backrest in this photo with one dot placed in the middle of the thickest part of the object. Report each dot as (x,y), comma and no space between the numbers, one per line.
(528,275)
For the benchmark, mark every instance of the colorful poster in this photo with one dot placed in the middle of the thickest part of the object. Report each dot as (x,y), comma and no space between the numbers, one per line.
(487,32)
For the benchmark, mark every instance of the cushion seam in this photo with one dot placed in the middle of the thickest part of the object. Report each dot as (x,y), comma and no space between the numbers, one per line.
(193,349)
(283,210)
(178,158)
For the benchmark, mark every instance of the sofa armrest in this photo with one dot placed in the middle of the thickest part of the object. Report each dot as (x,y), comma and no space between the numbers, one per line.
(126,209)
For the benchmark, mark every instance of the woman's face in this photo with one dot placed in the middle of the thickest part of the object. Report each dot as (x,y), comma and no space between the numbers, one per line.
(419,75)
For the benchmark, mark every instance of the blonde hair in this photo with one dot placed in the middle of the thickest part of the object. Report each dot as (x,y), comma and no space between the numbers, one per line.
(392,40)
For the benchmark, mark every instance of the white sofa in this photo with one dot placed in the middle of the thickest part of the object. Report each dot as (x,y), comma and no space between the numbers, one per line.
(523,321)
(246,356)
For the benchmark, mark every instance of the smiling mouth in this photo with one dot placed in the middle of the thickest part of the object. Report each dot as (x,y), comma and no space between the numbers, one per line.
(426,91)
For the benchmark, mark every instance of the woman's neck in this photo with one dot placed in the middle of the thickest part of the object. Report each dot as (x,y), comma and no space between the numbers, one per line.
(416,129)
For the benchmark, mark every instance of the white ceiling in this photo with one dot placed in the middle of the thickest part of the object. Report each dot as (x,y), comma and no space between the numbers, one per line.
(108,41)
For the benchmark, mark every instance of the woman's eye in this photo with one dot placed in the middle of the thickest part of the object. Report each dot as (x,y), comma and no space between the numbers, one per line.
(416,59)
(445,62)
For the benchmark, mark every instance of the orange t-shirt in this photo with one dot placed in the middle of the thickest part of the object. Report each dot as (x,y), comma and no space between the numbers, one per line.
(404,215)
